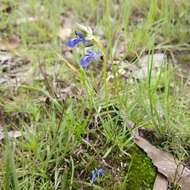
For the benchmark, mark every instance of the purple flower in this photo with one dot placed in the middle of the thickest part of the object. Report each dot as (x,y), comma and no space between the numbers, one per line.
(74,41)
(100,172)
(89,56)
(96,173)
(79,34)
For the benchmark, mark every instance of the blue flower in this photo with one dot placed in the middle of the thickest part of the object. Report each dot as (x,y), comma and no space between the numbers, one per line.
(96,173)
(79,34)
(100,172)
(89,56)
(74,41)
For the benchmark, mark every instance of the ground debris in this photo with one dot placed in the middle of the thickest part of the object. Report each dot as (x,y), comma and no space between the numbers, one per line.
(166,164)
(27,19)
(14,70)
(158,61)
(160,183)
(11,134)
(64,33)
(139,70)
(9,44)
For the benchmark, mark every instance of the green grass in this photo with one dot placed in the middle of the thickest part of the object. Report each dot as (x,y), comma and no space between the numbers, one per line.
(67,135)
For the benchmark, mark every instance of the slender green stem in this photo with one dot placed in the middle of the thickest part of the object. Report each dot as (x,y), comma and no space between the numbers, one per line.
(89,90)
(101,48)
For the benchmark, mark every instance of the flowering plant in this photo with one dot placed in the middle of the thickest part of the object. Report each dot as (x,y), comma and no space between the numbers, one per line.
(85,36)
(96,173)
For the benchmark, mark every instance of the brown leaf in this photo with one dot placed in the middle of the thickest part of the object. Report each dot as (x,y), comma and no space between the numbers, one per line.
(165,163)
(9,44)
(11,134)
(160,183)
(158,61)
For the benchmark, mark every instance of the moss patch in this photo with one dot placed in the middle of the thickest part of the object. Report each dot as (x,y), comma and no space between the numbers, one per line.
(142,172)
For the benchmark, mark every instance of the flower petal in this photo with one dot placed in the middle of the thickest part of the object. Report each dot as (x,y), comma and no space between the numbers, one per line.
(73,42)
(100,172)
(96,173)
(89,56)
(84,62)
(80,34)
